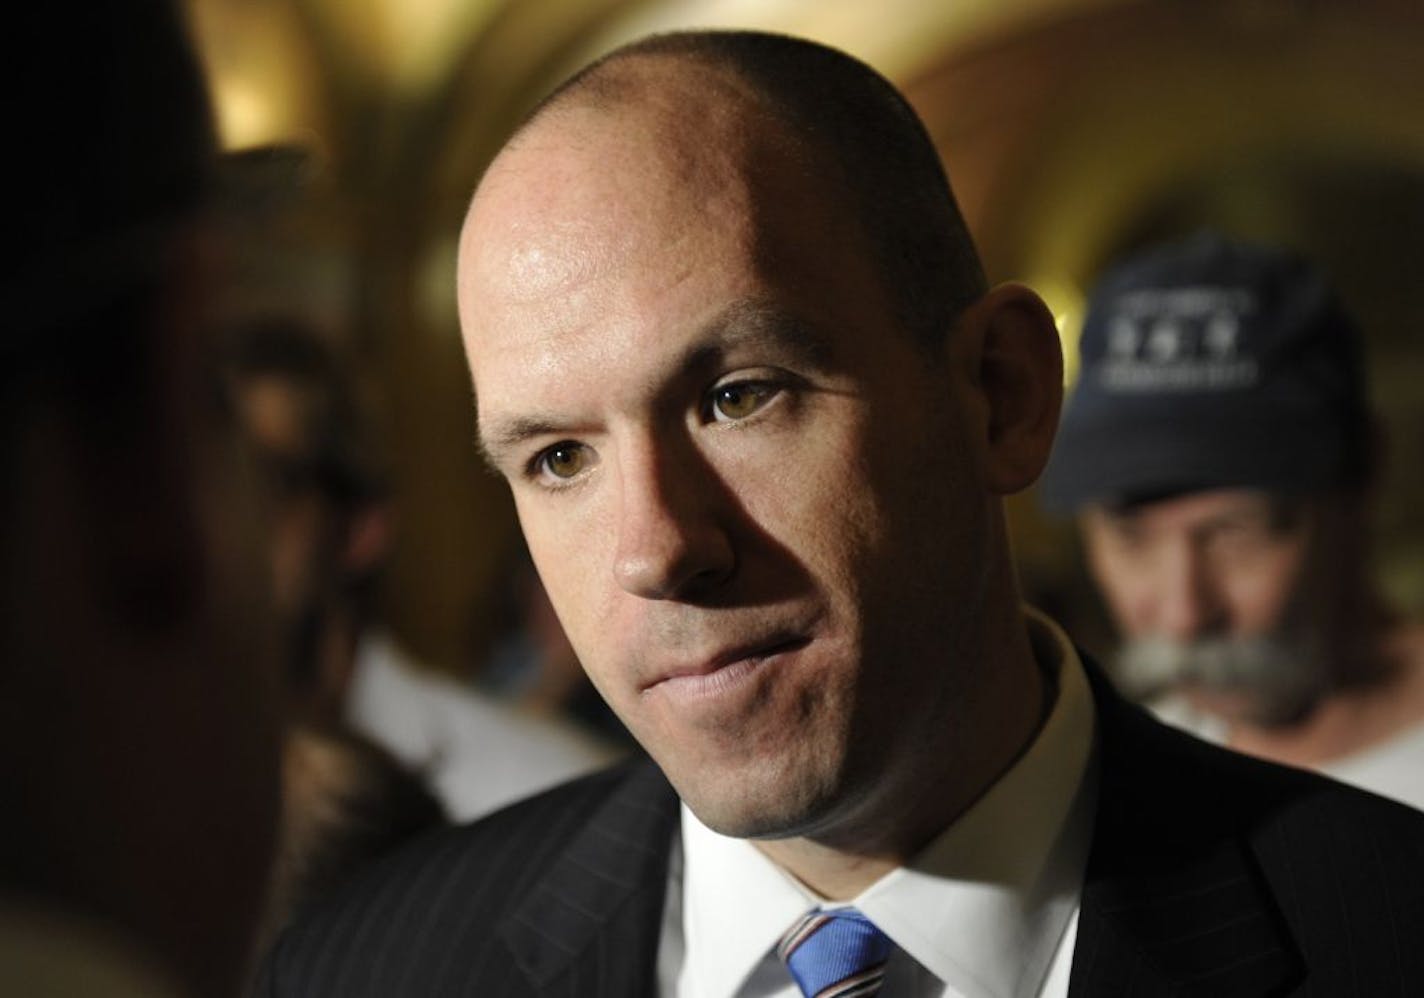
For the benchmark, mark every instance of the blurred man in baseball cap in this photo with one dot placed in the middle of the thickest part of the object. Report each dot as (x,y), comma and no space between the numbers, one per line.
(1219,454)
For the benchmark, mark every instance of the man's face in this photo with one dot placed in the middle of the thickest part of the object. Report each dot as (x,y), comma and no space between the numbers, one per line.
(273,412)
(750,495)
(1208,590)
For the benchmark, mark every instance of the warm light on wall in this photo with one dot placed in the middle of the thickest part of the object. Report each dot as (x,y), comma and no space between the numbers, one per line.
(1065,300)
(245,115)
(263,72)
(409,44)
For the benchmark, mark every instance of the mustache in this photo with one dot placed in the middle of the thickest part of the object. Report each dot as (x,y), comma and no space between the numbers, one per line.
(1284,674)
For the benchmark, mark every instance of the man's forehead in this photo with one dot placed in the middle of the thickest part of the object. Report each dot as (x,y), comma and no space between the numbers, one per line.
(573,233)
(588,186)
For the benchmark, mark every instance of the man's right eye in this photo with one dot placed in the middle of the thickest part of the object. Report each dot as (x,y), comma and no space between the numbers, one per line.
(564,460)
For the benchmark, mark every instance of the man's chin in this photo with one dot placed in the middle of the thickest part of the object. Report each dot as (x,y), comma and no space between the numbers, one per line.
(751,805)
(744,817)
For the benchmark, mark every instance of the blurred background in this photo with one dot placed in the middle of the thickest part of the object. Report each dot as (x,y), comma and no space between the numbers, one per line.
(1073,130)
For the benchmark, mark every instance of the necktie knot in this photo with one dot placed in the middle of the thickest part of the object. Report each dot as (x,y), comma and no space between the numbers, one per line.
(835,954)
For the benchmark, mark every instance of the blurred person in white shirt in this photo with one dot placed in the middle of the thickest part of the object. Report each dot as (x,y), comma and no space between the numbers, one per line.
(1220,453)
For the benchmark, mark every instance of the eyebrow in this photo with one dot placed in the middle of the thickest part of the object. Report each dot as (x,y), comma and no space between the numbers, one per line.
(510,433)
(746,322)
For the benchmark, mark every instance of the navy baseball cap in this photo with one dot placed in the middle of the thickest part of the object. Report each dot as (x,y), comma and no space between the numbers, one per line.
(1211,364)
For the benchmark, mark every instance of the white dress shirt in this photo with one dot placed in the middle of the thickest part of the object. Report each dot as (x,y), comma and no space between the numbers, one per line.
(1393,768)
(477,753)
(989,908)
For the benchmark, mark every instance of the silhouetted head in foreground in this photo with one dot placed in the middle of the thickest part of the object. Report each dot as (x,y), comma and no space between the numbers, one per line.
(137,711)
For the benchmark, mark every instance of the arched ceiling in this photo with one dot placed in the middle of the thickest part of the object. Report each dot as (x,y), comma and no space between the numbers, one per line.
(291,70)
(1060,119)
(261,50)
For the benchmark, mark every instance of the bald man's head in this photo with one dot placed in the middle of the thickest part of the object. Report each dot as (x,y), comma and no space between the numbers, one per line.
(850,126)
(716,303)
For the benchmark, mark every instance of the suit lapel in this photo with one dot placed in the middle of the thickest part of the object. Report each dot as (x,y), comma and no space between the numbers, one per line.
(591,925)
(1174,902)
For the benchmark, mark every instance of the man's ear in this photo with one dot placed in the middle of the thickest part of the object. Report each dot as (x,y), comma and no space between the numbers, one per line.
(1019,371)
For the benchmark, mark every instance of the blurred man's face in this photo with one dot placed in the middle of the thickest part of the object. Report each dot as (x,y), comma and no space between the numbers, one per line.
(750,495)
(307,534)
(1207,589)
(274,412)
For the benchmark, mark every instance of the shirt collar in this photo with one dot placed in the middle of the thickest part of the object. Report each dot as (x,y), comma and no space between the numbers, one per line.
(983,907)
(725,936)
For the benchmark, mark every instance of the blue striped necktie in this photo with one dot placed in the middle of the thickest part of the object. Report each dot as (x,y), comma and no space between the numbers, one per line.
(835,954)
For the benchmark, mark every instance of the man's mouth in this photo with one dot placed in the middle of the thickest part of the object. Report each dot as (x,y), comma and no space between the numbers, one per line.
(724,669)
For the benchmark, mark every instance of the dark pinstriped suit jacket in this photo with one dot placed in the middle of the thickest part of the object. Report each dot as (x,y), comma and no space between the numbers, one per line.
(1210,874)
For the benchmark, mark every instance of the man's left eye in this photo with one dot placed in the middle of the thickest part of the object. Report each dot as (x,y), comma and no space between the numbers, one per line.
(732,402)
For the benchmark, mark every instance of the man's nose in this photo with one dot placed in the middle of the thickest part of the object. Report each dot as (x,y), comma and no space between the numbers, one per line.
(1187,604)
(672,543)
